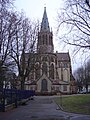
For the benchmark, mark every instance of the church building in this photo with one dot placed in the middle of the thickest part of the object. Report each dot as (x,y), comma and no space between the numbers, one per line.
(52,73)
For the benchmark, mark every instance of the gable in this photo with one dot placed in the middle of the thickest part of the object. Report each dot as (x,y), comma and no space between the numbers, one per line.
(43,77)
(63,56)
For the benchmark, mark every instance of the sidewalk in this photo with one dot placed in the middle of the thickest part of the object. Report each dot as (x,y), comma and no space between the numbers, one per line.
(41,108)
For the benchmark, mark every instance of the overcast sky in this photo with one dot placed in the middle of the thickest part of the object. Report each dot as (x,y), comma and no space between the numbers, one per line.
(34,10)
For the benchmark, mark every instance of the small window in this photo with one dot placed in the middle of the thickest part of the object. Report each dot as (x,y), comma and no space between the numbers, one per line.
(64,87)
(65,65)
(61,65)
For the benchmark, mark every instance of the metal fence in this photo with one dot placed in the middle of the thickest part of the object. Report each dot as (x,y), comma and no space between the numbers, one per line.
(13,96)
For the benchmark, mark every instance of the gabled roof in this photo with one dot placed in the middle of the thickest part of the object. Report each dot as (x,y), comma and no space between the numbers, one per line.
(63,56)
(44,77)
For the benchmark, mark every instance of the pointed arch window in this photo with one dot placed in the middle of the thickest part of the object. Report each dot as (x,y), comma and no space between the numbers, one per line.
(37,71)
(65,77)
(49,40)
(51,71)
(44,68)
(52,59)
(46,40)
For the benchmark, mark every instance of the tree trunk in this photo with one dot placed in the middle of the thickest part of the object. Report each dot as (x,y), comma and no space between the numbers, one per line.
(22,83)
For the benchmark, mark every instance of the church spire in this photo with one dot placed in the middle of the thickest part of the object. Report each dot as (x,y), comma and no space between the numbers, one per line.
(45,23)
(45,36)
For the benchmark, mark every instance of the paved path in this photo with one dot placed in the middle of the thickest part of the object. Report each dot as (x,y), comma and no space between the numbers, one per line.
(41,108)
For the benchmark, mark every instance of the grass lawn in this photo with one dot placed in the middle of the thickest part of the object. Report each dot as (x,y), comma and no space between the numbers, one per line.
(76,104)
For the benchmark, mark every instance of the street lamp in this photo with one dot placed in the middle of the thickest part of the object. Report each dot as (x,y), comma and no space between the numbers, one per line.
(61,80)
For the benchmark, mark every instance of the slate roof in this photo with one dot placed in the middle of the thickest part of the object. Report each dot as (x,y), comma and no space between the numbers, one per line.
(45,23)
(63,56)
(60,56)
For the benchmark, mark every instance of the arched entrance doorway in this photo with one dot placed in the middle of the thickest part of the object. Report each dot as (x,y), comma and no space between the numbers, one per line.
(44,85)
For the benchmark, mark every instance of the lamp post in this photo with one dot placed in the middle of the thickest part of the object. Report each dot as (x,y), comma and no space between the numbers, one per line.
(61,71)
(61,88)
(60,100)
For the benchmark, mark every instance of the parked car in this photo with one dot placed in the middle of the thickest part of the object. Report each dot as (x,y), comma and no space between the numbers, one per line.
(88,90)
(84,91)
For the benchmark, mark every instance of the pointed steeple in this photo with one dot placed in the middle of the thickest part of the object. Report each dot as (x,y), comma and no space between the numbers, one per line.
(45,36)
(45,23)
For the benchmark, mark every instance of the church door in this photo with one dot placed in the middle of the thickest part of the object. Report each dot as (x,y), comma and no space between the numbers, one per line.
(44,85)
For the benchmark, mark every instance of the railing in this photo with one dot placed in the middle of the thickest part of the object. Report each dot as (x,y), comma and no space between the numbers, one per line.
(13,96)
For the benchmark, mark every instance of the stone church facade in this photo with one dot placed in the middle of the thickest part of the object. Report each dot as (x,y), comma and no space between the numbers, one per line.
(52,72)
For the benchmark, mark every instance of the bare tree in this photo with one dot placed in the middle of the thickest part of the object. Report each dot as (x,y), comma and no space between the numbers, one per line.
(87,75)
(23,46)
(79,77)
(18,36)
(82,75)
(6,31)
(75,18)
(6,34)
